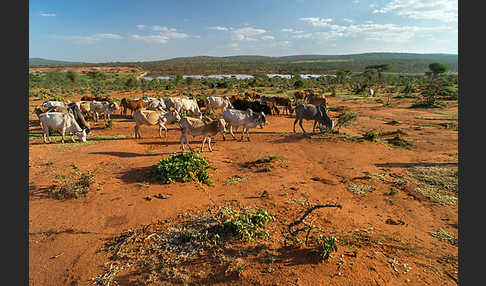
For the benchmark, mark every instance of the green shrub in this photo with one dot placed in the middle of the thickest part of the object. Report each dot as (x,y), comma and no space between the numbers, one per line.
(372,135)
(181,167)
(73,185)
(327,245)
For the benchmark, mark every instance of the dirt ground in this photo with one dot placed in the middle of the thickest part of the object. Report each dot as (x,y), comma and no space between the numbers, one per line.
(391,235)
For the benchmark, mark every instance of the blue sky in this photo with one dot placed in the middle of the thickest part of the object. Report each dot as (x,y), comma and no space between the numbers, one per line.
(144,30)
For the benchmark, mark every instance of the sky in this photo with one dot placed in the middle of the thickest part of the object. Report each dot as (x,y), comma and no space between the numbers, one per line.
(147,30)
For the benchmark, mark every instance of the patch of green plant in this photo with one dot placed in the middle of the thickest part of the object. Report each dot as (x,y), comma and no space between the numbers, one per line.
(440,185)
(360,189)
(326,245)
(72,185)
(244,225)
(407,95)
(445,236)
(108,124)
(372,135)
(346,118)
(264,164)
(181,167)
(442,178)
(400,142)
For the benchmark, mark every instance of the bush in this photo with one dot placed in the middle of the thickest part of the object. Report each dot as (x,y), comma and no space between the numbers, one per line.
(181,167)
(327,245)
(449,93)
(73,185)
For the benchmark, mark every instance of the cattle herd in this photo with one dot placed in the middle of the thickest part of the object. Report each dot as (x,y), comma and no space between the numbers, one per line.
(248,111)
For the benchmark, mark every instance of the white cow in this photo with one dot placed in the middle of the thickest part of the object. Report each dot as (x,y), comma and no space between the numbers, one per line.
(154,103)
(105,107)
(185,105)
(219,102)
(154,117)
(196,127)
(248,119)
(53,103)
(61,122)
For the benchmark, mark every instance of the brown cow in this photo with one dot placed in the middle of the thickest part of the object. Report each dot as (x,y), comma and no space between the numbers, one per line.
(286,103)
(132,104)
(317,99)
(252,96)
(300,94)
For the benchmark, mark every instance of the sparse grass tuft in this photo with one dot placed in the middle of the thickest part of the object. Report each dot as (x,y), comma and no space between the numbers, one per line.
(440,185)
(234,180)
(73,185)
(445,236)
(360,189)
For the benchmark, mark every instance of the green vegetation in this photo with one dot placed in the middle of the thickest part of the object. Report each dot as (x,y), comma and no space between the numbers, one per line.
(445,236)
(234,180)
(398,62)
(326,245)
(181,167)
(360,189)
(440,185)
(72,185)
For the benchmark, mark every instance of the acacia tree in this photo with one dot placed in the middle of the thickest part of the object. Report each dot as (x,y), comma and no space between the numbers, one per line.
(437,68)
(379,68)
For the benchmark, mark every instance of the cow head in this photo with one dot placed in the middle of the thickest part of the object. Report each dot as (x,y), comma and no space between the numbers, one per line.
(324,118)
(81,135)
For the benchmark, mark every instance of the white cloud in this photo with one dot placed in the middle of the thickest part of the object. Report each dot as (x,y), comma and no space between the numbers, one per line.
(268,37)
(162,37)
(218,28)
(89,39)
(246,33)
(47,14)
(348,20)
(292,31)
(316,21)
(369,31)
(441,10)
(140,27)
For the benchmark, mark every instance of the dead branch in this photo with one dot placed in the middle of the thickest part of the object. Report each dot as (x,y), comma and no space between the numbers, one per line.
(307,213)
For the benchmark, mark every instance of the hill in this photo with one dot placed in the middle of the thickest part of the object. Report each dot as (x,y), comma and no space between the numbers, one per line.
(318,64)
(34,62)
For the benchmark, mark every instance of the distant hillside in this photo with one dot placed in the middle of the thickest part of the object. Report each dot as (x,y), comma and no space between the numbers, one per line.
(33,62)
(318,64)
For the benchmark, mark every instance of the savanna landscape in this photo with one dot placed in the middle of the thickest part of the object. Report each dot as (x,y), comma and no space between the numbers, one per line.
(372,201)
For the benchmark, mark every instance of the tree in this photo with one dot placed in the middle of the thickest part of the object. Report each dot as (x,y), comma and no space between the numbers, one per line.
(379,68)
(342,75)
(437,68)
(72,75)
(299,83)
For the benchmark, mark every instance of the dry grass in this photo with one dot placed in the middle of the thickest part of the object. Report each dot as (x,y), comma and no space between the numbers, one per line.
(440,185)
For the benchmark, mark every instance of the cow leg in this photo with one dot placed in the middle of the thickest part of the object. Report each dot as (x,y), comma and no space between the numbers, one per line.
(202,145)
(62,135)
(209,144)
(231,132)
(46,134)
(182,141)
(295,122)
(300,123)
(187,142)
(243,133)
(248,134)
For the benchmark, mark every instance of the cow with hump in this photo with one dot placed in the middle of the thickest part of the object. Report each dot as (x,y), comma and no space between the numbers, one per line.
(59,121)
(247,119)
